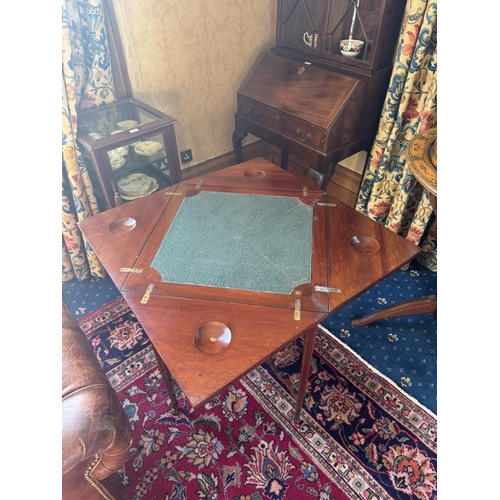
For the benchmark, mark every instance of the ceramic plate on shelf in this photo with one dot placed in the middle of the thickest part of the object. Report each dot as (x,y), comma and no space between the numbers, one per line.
(126,124)
(95,135)
(148,148)
(135,184)
(152,188)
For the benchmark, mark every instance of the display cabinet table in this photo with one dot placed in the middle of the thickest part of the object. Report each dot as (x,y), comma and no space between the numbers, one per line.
(128,138)
(226,269)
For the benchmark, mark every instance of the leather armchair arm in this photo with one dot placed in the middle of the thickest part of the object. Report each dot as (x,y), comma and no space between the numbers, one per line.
(93,420)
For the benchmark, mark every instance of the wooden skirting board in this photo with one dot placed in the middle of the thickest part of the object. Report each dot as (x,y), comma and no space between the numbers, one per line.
(344,184)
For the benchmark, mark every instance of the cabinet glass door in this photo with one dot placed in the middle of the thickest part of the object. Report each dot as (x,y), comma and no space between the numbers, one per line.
(299,24)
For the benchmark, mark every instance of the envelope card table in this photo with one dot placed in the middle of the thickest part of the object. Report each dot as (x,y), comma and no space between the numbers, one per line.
(226,269)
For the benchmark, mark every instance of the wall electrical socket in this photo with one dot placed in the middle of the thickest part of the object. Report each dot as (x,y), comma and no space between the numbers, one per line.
(186,156)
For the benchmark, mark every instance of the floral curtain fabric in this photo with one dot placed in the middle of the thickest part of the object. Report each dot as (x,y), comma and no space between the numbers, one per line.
(389,193)
(86,82)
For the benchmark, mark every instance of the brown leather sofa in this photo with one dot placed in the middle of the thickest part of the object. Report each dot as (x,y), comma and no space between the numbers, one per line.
(96,434)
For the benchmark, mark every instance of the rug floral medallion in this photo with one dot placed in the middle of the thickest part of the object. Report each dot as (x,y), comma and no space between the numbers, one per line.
(360,436)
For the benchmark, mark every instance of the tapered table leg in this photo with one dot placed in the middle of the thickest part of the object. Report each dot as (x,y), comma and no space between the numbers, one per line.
(167,379)
(304,371)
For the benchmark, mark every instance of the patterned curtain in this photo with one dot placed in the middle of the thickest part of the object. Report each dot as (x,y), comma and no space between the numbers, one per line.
(389,193)
(86,82)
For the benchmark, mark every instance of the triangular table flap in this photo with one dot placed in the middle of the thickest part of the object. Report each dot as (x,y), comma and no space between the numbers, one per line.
(119,235)
(256,333)
(253,176)
(361,251)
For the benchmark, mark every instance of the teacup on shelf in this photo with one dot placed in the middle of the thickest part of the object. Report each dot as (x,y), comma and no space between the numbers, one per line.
(351,48)
(311,40)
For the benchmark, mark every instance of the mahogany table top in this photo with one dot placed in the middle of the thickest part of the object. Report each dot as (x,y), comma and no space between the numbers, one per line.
(210,336)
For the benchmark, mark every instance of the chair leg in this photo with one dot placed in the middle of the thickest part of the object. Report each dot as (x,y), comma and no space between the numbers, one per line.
(421,305)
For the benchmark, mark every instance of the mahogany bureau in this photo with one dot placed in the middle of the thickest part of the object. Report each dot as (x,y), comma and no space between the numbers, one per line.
(306,95)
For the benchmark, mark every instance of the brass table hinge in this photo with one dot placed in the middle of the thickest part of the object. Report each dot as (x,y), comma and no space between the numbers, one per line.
(326,204)
(130,270)
(327,289)
(304,191)
(171,193)
(145,298)
(296,312)
(198,186)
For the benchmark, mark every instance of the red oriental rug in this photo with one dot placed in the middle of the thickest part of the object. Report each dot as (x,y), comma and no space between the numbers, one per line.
(360,436)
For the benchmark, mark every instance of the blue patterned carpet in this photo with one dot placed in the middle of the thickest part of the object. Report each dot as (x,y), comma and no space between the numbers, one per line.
(403,349)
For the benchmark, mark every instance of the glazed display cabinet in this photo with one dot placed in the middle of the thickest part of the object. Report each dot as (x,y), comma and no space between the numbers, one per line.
(323,28)
(318,93)
(132,150)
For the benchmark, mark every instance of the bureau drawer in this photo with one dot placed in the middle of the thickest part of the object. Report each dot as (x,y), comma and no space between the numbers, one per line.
(283,123)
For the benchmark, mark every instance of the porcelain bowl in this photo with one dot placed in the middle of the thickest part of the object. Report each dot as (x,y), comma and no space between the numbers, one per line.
(351,48)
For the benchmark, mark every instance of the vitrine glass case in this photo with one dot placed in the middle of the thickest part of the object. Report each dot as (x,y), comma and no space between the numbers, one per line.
(132,150)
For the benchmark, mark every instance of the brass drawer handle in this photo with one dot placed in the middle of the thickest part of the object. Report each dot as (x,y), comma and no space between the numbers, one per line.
(308,136)
(253,116)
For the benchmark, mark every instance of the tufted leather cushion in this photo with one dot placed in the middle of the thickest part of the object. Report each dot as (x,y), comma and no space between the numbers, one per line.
(96,433)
